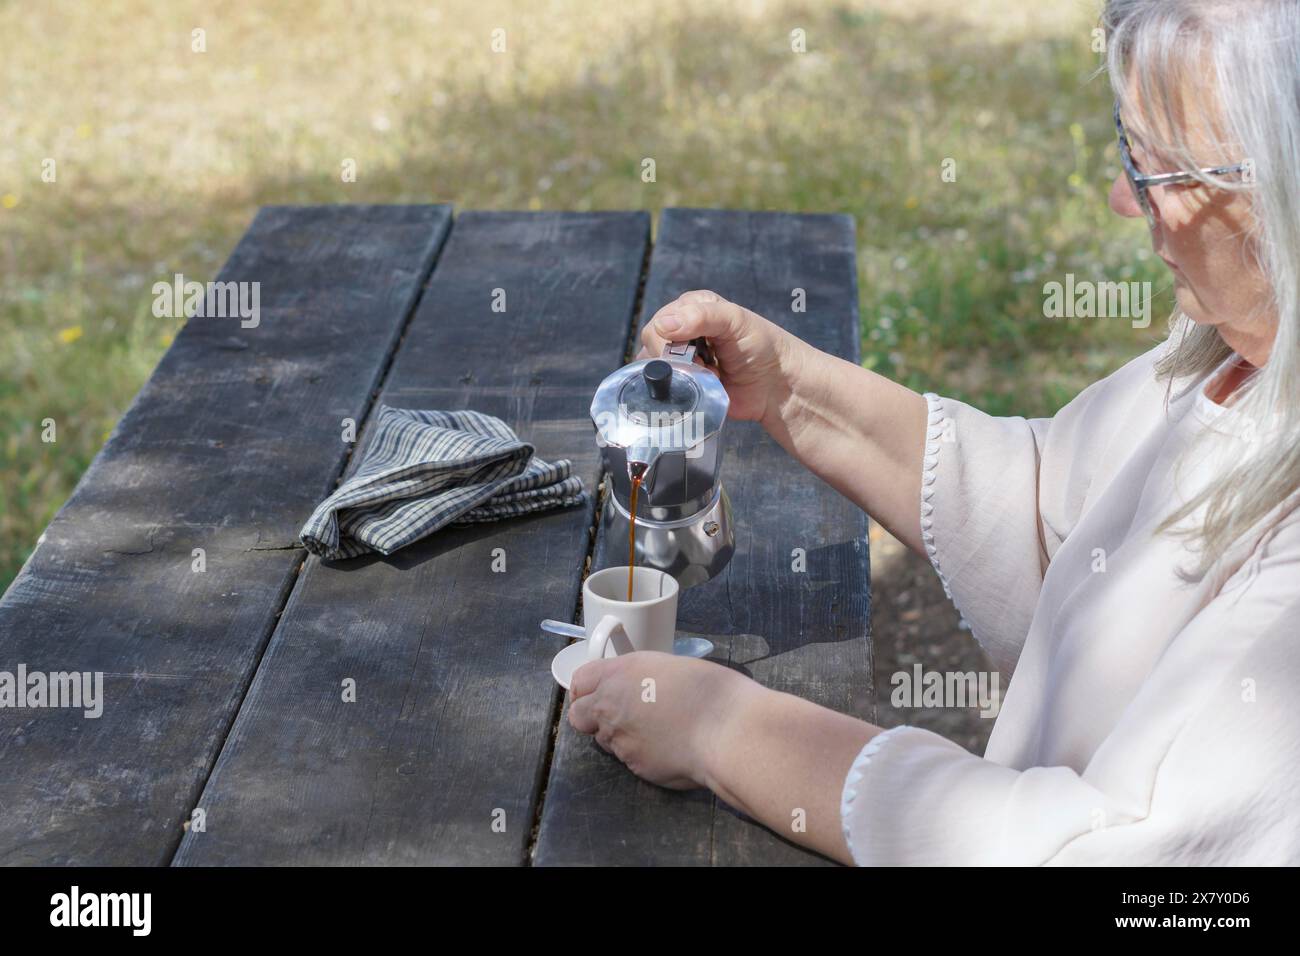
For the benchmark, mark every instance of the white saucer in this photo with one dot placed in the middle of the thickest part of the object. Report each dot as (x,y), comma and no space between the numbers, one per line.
(575,655)
(568,661)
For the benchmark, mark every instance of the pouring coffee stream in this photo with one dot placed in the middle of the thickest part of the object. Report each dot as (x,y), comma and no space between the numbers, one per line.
(636,469)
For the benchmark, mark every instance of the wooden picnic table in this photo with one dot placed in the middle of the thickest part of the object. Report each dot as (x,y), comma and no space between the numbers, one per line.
(175,567)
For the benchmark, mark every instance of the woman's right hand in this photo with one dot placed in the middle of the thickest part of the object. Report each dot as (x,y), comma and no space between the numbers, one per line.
(856,430)
(753,355)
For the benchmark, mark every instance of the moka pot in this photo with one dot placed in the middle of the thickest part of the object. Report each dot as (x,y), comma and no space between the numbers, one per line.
(662,419)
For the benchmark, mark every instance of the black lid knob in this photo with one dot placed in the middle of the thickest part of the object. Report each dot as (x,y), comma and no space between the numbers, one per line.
(658,375)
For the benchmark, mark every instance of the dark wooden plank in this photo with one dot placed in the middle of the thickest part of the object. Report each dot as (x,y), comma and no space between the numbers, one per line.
(454,698)
(227,448)
(804,633)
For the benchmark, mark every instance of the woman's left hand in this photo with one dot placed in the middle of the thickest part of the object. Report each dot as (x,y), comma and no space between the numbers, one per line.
(655,712)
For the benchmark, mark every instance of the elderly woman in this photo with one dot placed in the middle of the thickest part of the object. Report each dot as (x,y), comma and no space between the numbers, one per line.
(1133,563)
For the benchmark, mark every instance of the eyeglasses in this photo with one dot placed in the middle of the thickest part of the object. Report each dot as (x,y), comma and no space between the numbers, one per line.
(1141,182)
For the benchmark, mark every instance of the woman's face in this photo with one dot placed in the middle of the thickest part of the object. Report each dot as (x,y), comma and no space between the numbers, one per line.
(1202,234)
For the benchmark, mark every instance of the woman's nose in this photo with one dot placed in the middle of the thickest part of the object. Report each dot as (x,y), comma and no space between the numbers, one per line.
(1122,201)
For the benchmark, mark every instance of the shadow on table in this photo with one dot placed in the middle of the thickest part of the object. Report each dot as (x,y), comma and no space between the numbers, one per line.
(783,609)
(453,538)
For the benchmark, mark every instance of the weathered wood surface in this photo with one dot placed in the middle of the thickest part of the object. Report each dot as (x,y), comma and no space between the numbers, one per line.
(237,436)
(455,704)
(227,448)
(805,633)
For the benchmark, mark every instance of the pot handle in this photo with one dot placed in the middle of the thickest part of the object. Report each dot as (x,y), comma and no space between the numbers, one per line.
(686,351)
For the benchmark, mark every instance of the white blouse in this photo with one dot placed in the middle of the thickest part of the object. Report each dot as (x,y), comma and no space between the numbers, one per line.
(1148,719)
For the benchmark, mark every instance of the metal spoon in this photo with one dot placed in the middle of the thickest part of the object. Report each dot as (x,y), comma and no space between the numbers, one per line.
(686,646)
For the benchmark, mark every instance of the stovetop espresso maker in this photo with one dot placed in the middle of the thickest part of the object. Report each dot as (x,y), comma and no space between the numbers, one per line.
(661,419)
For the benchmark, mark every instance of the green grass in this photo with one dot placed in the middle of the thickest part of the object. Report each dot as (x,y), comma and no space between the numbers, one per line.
(163,154)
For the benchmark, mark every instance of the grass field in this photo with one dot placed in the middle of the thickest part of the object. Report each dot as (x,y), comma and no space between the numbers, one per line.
(162,154)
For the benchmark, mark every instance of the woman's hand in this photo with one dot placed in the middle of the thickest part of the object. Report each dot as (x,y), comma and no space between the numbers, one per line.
(861,433)
(657,713)
(754,356)
(683,723)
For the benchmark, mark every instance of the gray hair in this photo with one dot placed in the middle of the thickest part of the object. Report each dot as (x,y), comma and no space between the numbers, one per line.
(1250,52)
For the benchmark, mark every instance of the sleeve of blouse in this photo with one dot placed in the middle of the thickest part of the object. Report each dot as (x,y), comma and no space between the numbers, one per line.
(999,495)
(1197,771)
(979,520)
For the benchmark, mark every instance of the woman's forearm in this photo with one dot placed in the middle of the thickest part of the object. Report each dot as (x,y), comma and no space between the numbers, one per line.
(782,760)
(858,431)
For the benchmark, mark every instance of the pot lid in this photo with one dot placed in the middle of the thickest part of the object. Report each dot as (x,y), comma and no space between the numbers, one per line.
(667,404)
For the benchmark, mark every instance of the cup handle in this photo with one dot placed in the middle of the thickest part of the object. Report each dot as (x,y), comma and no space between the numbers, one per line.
(601,636)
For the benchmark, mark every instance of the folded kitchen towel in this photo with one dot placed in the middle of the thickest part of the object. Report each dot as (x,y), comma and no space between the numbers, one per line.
(423,470)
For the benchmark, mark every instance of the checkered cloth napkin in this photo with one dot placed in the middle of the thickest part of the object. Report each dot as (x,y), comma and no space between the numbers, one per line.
(423,470)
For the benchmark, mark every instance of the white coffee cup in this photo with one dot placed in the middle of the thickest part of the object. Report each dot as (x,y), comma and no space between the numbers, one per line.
(646,623)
